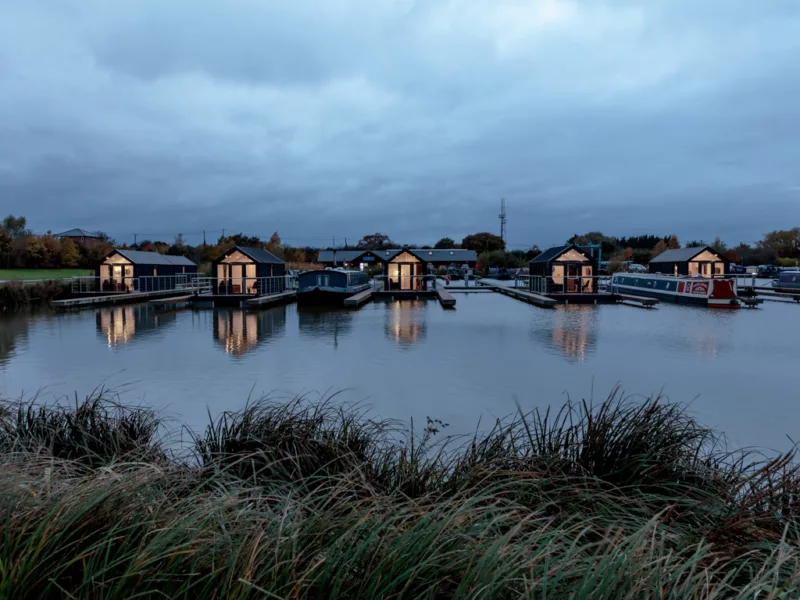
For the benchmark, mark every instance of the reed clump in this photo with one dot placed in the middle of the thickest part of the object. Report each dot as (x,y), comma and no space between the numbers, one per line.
(622,499)
(16,296)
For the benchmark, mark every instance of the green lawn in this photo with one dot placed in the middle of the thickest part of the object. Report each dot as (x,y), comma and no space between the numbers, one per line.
(17,274)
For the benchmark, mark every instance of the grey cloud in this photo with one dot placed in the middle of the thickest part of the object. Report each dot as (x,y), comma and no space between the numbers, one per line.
(414,118)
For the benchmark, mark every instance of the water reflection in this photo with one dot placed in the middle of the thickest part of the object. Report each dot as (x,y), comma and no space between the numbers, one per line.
(327,323)
(239,331)
(406,322)
(118,325)
(13,331)
(573,331)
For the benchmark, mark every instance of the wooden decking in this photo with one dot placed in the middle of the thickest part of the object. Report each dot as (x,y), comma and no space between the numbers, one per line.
(445,298)
(280,298)
(526,296)
(643,300)
(358,299)
(114,299)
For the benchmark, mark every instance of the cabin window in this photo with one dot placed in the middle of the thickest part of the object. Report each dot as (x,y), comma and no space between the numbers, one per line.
(155,271)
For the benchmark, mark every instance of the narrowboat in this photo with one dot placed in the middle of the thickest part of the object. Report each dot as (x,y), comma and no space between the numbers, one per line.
(699,291)
(788,280)
(330,287)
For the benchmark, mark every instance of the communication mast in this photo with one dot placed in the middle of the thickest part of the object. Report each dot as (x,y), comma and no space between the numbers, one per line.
(503,219)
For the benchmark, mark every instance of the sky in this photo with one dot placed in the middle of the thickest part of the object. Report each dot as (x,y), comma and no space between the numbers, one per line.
(328,120)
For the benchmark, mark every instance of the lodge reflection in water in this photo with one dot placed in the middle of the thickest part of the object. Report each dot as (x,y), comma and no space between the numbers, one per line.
(406,321)
(239,331)
(573,331)
(118,325)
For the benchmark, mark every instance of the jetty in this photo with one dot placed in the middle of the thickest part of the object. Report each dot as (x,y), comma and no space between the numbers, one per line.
(123,298)
(358,299)
(445,298)
(278,298)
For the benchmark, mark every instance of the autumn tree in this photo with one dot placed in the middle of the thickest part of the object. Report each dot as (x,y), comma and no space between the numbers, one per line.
(70,256)
(660,248)
(786,244)
(673,243)
(15,227)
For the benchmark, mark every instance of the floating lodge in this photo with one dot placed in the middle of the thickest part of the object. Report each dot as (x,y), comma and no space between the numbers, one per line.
(253,277)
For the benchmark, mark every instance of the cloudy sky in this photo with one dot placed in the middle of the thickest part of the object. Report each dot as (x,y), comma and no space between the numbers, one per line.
(322,118)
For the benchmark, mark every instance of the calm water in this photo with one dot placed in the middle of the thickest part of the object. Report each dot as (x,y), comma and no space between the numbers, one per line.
(739,369)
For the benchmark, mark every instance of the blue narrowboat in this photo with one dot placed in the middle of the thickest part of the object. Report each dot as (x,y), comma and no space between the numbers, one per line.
(330,287)
(700,291)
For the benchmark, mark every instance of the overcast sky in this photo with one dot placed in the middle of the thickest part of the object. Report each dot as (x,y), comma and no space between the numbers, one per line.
(322,118)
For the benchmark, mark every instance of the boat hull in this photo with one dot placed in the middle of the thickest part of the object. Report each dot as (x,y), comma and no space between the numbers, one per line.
(320,296)
(716,293)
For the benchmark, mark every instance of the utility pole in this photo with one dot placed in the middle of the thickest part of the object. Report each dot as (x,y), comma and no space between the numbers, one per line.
(334,250)
(503,219)
(134,238)
(204,237)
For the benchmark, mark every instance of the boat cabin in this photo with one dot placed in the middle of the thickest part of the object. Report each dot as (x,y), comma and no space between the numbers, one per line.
(332,280)
(248,272)
(134,270)
(702,261)
(563,270)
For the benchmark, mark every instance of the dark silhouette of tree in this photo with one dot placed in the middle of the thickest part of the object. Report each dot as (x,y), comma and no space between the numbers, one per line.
(483,242)
(445,243)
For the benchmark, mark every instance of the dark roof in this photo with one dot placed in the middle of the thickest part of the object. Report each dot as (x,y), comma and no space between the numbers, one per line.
(326,256)
(456,255)
(138,257)
(555,252)
(258,254)
(682,254)
(78,233)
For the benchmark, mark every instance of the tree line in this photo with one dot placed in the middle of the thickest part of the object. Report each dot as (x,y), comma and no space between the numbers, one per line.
(20,248)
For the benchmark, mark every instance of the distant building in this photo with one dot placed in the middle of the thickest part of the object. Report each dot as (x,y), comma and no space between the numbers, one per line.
(703,261)
(81,236)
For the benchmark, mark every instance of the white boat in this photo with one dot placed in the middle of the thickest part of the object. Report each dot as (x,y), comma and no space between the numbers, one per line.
(699,291)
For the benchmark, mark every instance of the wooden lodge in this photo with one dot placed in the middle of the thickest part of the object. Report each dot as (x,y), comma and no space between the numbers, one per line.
(245,271)
(134,270)
(690,262)
(563,270)
(403,269)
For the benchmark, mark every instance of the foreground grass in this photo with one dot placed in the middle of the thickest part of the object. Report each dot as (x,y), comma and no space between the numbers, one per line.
(41,274)
(297,500)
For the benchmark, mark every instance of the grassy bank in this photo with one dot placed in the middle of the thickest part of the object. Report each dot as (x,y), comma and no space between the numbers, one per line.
(621,500)
(16,296)
(41,274)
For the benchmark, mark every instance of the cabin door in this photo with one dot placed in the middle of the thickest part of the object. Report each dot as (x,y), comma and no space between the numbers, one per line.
(406,279)
(573,282)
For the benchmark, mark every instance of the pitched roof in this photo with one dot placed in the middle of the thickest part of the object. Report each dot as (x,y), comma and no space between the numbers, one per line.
(556,251)
(681,254)
(78,233)
(259,255)
(139,257)
(457,255)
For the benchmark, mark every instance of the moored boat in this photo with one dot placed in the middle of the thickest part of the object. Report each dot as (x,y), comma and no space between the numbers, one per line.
(788,280)
(700,291)
(330,287)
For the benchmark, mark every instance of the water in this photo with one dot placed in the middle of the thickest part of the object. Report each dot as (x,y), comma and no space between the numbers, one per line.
(738,369)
